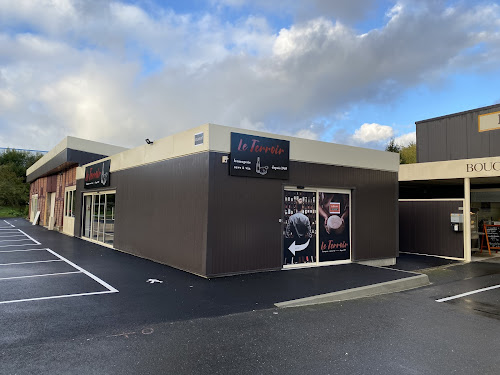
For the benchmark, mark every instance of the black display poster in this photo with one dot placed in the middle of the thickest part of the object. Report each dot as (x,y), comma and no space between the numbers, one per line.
(253,156)
(334,231)
(97,175)
(493,236)
(299,231)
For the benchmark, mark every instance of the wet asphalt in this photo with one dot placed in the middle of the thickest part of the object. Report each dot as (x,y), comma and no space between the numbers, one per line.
(137,332)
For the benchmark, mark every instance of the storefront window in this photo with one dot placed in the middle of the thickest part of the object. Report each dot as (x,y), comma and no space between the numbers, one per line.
(99,217)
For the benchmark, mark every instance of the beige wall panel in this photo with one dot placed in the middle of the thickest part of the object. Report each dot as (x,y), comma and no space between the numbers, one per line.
(440,170)
(313,151)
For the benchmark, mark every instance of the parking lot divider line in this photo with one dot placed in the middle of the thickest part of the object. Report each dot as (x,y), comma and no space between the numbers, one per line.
(13,251)
(24,244)
(468,293)
(103,283)
(27,239)
(38,261)
(9,223)
(12,235)
(45,274)
(31,238)
(54,297)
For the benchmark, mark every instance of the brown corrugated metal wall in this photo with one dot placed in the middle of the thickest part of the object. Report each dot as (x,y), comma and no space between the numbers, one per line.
(425,228)
(244,232)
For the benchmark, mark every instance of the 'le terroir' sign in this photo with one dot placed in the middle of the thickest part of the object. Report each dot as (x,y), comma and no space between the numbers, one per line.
(97,175)
(253,156)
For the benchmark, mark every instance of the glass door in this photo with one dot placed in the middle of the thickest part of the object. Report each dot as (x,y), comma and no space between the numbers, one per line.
(99,217)
(299,232)
(334,232)
(316,227)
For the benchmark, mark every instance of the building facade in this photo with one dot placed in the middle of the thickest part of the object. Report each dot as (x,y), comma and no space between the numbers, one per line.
(452,193)
(214,201)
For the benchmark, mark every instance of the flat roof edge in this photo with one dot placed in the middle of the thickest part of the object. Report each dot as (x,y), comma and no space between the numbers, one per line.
(458,113)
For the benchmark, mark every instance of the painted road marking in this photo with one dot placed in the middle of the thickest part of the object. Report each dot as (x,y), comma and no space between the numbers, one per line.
(38,261)
(103,283)
(31,238)
(22,239)
(45,274)
(9,223)
(468,293)
(13,251)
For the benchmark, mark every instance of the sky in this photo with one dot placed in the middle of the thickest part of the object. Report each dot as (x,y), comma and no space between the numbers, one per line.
(356,72)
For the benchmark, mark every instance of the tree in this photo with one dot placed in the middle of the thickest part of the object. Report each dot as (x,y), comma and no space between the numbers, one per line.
(14,191)
(19,161)
(408,154)
(392,146)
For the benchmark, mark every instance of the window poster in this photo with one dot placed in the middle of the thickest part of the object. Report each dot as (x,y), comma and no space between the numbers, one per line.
(299,231)
(334,231)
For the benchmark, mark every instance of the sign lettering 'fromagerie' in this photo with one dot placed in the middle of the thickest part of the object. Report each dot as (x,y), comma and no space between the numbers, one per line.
(253,156)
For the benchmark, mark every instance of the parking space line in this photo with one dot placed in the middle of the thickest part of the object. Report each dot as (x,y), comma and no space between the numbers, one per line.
(13,251)
(45,274)
(31,238)
(12,235)
(103,283)
(38,261)
(54,297)
(9,223)
(468,293)
(23,239)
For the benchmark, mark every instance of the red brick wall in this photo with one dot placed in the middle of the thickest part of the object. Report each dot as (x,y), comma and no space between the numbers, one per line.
(64,179)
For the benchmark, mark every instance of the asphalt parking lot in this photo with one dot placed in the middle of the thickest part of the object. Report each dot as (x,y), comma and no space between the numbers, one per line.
(83,308)
(68,282)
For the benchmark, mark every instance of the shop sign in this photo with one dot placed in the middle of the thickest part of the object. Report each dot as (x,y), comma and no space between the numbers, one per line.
(483,167)
(97,175)
(253,156)
(489,121)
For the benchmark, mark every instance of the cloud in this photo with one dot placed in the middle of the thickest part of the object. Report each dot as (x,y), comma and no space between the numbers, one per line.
(405,139)
(118,73)
(373,133)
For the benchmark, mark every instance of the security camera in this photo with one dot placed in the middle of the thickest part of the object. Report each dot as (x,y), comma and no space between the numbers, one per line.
(148,141)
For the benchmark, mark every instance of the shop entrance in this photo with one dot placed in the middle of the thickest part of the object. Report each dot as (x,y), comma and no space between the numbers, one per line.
(98,222)
(485,211)
(316,227)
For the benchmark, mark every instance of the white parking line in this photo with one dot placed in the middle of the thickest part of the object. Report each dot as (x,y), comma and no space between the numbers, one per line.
(109,288)
(9,223)
(104,284)
(13,251)
(54,297)
(12,235)
(468,293)
(23,239)
(31,238)
(38,261)
(45,274)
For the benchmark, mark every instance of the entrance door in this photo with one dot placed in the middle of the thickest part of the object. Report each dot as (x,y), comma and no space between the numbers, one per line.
(316,228)
(99,217)
(299,233)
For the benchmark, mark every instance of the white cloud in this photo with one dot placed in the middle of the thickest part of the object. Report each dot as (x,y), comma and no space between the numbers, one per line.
(373,133)
(406,139)
(117,71)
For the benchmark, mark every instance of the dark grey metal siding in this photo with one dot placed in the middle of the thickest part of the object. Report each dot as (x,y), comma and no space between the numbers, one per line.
(161,211)
(456,137)
(425,228)
(63,160)
(244,233)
